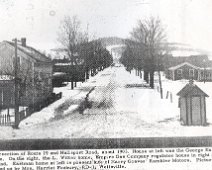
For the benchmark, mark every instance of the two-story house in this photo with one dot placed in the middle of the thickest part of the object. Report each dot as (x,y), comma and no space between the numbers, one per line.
(34,71)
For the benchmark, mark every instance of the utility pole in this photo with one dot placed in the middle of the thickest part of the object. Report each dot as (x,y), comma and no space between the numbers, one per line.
(72,65)
(160,85)
(16,103)
(204,70)
(159,76)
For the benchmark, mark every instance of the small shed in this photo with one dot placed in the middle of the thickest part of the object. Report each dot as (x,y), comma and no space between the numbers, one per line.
(192,105)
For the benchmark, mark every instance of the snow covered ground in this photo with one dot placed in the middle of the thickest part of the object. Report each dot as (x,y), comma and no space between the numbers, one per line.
(175,86)
(121,106)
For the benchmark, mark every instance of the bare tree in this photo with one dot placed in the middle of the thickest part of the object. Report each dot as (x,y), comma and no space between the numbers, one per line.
(151,36)
(71,37)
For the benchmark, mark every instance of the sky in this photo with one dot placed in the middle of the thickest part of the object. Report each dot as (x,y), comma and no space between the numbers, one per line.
(185,21)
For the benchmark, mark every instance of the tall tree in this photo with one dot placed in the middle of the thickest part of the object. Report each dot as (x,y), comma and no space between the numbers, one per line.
(150,34)
(71,37)
(95,57)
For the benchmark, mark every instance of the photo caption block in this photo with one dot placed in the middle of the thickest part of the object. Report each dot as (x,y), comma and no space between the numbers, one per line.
(101,159)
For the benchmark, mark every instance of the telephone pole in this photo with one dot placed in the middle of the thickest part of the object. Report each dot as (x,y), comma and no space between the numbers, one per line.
(16,103)
(204,61)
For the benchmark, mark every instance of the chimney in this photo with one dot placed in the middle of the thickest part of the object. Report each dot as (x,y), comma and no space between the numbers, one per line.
(23,42)
(191,82)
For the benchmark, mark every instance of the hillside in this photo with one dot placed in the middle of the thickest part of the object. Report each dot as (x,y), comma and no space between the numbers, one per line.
(109,41)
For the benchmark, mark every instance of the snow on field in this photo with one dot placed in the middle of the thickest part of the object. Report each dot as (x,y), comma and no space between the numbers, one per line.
(69,102)
(161,114)
(121,106)
(135,112)
(176,86)
(49,112)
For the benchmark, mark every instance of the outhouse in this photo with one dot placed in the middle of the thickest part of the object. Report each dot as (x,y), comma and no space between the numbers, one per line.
(192,105)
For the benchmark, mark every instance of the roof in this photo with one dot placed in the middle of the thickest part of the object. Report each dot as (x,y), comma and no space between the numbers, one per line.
(61,53)
(191,90)
(182,64)
(33,53)
(59,74)
(207,68)
(66,64)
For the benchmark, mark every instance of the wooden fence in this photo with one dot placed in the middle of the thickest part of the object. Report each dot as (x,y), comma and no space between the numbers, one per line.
(7,116)
(5,120)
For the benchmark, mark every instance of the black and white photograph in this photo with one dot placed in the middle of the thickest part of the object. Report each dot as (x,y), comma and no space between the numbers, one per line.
(85,71)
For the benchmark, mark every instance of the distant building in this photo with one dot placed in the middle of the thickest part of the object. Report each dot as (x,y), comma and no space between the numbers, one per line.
(34,71)
(196,60)
(205,74)
(183,71)
(189,71)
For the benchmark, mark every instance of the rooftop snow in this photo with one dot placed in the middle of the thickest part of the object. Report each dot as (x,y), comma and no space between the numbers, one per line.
(182,64)
(35,54)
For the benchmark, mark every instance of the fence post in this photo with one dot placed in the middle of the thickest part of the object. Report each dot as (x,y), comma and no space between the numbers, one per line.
(27,112)
(8,117)
(171,97)
(2,119)
(167,94)
(5,119)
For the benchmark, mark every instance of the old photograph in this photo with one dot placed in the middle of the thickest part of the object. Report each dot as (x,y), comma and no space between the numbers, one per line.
(96,70)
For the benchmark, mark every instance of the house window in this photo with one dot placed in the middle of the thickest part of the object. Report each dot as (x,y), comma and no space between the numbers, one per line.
(38,76)
(49,81)
(16,61)
(179,73)
(202,73)
(191,73)
(20,60)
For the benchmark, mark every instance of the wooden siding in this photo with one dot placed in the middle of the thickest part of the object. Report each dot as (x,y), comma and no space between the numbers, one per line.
(36,77)
(185,73)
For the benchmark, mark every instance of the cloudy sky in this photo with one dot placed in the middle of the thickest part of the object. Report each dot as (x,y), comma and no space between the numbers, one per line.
(186,21)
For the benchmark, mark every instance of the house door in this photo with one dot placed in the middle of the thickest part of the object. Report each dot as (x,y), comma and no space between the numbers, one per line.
(196,111)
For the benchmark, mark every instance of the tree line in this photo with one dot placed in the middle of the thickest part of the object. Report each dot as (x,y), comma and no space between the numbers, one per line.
(80,49)
(146,48)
